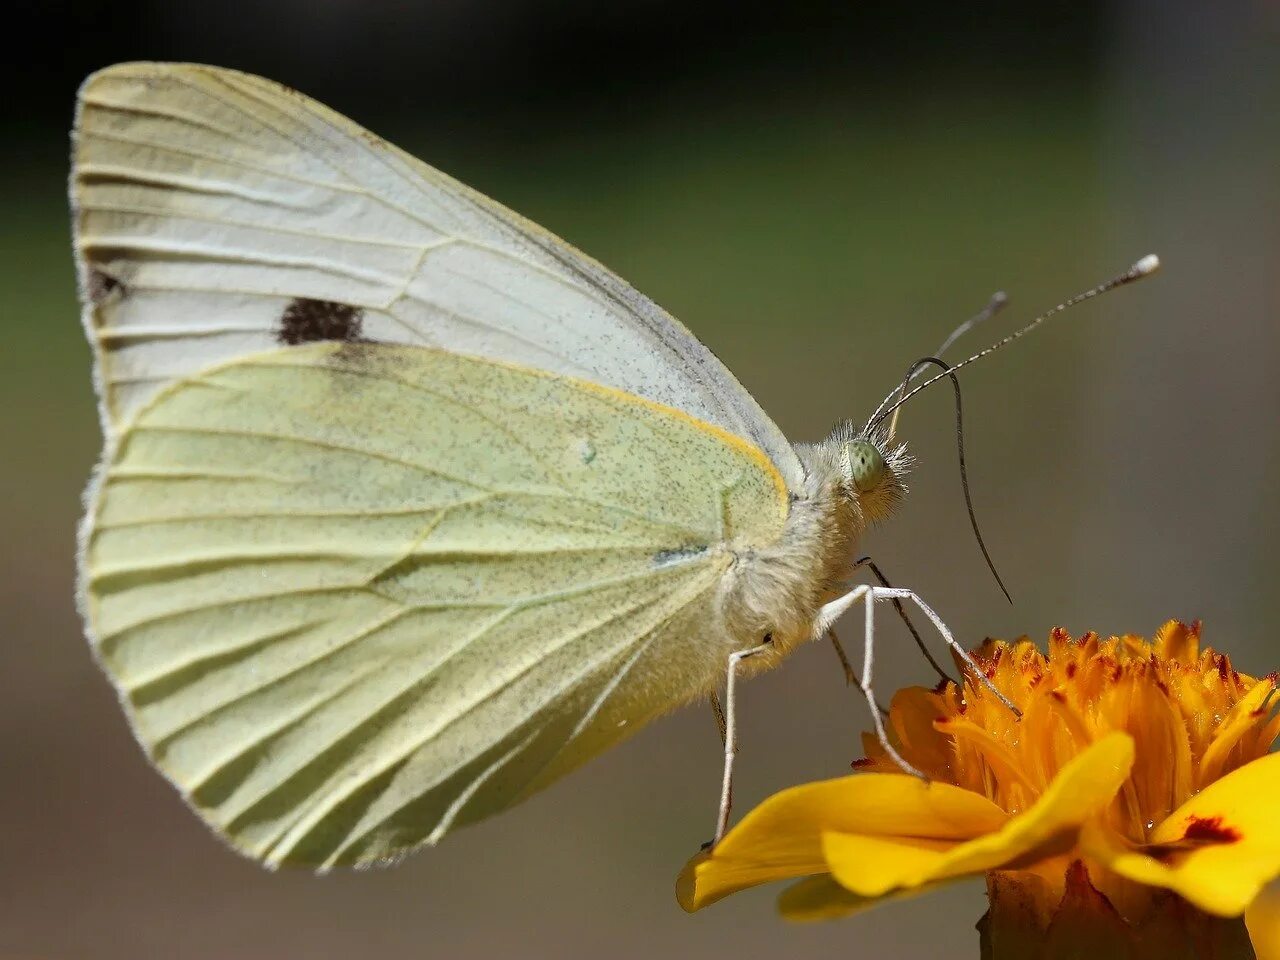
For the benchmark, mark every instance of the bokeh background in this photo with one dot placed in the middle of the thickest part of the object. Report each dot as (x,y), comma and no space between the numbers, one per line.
(821,192)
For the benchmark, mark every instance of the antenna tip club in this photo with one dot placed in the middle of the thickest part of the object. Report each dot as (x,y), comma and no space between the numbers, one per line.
(1146,266)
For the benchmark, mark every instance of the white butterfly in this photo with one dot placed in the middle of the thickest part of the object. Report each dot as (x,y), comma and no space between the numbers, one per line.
(406,507)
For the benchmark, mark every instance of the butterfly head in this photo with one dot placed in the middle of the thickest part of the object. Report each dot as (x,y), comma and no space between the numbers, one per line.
(864,465)
(872,472)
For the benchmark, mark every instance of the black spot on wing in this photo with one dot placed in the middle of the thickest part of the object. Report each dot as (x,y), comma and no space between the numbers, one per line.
(103,286)
(310,321)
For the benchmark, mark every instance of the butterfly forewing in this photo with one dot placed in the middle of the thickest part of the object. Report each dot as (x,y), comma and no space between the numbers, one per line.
(209,204)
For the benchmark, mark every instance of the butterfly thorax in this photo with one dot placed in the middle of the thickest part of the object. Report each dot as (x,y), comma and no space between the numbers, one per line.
(777,591)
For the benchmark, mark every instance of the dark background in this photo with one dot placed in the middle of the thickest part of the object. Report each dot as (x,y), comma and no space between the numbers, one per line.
(820,192)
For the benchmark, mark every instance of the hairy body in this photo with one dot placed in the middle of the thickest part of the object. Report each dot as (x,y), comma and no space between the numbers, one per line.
(777,591)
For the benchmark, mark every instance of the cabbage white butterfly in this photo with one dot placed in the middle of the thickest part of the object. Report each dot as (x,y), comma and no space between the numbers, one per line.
(406,507)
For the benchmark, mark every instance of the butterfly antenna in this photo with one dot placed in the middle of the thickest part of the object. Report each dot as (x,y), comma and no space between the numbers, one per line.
(1143,268)
(999,300)
(997,303)
(948,371)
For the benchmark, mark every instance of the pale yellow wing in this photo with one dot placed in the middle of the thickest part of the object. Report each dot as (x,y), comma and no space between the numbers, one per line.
(218,214)
(353,595)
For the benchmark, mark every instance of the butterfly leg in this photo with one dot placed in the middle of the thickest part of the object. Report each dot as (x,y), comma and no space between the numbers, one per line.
(869,596)
(731,733)
(945,632)
(718,709)
(850,675)
(902,613)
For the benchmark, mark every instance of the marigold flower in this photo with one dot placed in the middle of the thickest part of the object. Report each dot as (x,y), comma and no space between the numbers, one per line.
(1131,811)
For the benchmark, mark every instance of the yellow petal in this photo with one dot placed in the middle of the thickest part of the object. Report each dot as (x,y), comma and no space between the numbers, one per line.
(1240,720)
(1217,850)
(1177,641)
(821,898)
(912,713)
(1263,920)
(782,838)
(872,866)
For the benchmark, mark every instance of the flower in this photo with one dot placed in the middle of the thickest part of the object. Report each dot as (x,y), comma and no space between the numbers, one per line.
(1134,802)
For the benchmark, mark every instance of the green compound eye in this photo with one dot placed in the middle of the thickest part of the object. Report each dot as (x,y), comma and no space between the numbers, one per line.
(866,465)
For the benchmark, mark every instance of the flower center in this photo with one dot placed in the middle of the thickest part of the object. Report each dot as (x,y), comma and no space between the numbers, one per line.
(1193,719)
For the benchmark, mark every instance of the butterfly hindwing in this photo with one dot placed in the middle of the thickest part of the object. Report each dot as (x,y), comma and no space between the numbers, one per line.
(355,594)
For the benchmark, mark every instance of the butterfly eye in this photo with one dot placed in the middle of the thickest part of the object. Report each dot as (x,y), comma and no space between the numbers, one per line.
(866,465)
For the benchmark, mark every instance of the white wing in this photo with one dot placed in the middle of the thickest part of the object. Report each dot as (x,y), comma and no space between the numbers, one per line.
(355,595)
(218,214)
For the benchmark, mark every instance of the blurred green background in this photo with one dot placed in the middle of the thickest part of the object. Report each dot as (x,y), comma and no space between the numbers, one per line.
(820,193)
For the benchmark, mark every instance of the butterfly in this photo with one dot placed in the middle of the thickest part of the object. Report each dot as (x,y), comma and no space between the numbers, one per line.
(406,507)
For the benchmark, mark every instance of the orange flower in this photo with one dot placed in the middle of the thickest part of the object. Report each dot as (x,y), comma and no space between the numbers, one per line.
(1136,789)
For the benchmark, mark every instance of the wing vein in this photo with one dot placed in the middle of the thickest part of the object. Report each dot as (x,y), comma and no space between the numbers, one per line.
(175,250)
(356,780)
(307,441)
(163,213)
